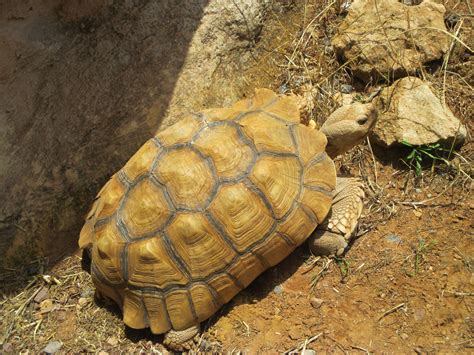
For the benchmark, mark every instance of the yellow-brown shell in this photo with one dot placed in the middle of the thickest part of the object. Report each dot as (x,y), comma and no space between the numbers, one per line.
(206,206)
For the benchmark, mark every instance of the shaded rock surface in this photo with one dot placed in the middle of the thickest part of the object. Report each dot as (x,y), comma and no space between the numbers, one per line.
(84,83)
(409,111)
(388,39)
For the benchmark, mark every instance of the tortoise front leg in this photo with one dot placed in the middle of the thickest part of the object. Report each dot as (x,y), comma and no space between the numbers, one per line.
(181,340)
(333,235)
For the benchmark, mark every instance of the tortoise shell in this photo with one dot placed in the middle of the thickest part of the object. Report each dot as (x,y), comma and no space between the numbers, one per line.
(206,206)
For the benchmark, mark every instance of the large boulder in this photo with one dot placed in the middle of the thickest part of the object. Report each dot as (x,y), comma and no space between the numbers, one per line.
(84,83)
(388,39)
(410,112)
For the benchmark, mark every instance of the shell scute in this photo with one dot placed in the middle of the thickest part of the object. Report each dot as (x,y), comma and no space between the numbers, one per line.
(267,133)
(199,244)
(150,265)
(231,156)
(145,209)
(242,214)
(281,189)
(187,177)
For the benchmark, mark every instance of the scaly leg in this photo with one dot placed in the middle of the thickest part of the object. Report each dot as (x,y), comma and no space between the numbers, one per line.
(332,236)
(181,340)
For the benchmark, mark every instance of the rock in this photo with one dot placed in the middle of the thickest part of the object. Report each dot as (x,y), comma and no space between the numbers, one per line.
(8,348)
(53,347)
(278,289)
(82,301)
(344,99)
(46,306)
(419,314)
(41,295)
(294,334)
(316,302)
(393,238)
(308,352)
(389,52)
(346,88)
(112,341)
(409,111)
(131,66)
(411,2)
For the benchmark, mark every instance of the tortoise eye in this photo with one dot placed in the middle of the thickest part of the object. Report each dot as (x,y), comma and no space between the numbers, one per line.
(362,120)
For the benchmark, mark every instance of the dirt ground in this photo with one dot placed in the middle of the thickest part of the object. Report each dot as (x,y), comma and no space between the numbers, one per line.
(406,284)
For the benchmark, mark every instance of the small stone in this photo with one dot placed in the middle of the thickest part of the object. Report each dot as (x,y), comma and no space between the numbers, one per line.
(88,292)
(41,295)
(419,314)
(82,301)
(346,88)
(102,352)
(46,306)
(61,316)
(112,341)
(206,345)
(345,6)
(294,334)
(316,302)
(278,289)
(417,213)
(393,238)
(308,352)
(418,190)
(53,347)
(404,336)
(8,348)
(283,89)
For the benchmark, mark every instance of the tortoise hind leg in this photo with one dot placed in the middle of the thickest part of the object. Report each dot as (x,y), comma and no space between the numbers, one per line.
(334,234)
(181,340)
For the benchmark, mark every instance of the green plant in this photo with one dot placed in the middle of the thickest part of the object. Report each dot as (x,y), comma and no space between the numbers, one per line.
(419,255)
(418,154)
(344,266)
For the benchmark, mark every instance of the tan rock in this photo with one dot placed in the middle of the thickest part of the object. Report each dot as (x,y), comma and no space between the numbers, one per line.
(388,39)
(101,76)
(409,111)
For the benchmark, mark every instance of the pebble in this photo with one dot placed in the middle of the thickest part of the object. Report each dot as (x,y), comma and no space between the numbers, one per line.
(41,295)
(206,345)
(346,88)
(278,289)
(46,306)
(113,341)
(294,334)
(316,302)
(308,352)
(53,347)
(8,348)
(419,314)
(393,238)
(82,301)
(87,292)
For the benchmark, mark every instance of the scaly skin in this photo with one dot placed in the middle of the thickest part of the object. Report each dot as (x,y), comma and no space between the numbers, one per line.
(334,234)
(182,340)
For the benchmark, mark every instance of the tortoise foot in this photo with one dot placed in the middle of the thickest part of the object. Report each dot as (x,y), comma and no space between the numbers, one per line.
(182,340)
(334,234)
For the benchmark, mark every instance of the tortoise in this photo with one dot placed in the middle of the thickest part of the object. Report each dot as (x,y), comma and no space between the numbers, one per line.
(211,202)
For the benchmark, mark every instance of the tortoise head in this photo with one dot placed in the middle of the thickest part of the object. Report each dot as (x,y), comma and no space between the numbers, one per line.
(348,126)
